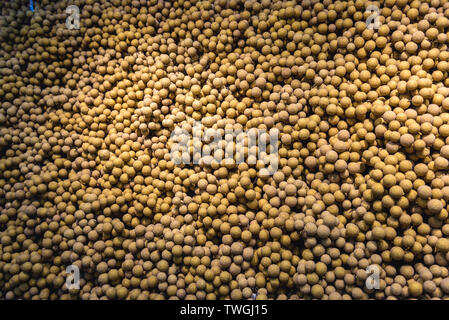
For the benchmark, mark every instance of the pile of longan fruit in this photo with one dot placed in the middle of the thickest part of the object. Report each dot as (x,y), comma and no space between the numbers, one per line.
(358,205)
